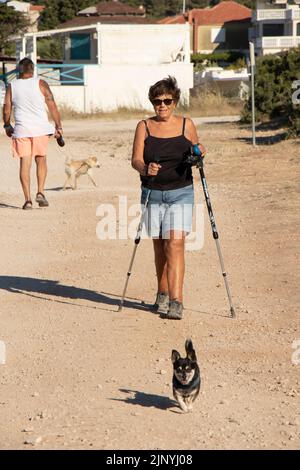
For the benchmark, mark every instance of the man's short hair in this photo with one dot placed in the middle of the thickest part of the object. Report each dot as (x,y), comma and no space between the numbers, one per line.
(26,66)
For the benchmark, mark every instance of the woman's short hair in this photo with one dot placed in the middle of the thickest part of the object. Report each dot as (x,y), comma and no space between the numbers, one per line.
(167,86)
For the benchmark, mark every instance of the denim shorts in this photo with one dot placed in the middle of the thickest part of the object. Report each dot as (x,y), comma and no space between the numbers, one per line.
(168,210)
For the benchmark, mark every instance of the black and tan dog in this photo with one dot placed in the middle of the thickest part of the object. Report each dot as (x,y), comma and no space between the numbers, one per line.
(186,377)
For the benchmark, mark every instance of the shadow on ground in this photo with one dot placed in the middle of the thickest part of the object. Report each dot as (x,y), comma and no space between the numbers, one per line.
(146,399)
(264,140)
(7,206)
(31,286)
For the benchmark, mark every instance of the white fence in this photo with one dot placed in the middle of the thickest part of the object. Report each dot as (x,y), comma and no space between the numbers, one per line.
(278,42)
(287,14)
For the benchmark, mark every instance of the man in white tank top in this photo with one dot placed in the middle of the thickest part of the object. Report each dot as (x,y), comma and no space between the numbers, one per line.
(29,98)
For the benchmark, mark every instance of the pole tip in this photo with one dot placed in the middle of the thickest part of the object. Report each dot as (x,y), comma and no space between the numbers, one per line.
(120,308)
(232,312)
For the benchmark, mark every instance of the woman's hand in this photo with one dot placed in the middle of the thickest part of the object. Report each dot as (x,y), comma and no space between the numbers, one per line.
(202,150)
(153,169)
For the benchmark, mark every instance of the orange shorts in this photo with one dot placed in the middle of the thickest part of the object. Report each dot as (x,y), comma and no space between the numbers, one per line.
(30,146)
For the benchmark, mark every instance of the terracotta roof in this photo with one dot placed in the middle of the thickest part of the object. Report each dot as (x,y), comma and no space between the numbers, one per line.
(219,14)
(178,19)
(112,8)
(92,20)
(36,8)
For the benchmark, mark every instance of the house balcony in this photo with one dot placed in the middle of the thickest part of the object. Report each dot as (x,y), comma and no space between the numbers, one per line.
(278,42)
(284,14)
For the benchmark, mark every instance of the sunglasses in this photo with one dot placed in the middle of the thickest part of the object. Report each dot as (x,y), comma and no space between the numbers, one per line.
(167,102)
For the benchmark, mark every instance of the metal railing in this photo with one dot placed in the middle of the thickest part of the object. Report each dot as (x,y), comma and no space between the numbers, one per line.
(9,76)
(279,42)
(62,74)
(284,14)
(53,74)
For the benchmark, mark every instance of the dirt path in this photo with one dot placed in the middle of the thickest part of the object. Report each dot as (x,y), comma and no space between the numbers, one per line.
(78,374)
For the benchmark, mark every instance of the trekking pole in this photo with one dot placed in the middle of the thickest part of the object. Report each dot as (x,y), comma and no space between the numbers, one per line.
(136,243)
(195,159)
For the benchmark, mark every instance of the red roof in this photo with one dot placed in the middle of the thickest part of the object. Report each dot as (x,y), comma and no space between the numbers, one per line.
(178,19)
(36,8)
(92,21)
(113,8)
(219,14)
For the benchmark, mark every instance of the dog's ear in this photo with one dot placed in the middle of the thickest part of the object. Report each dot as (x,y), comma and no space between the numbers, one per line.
(190,352)
(175,356)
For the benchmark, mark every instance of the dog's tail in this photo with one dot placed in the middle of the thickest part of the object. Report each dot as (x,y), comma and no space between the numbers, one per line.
(190,350)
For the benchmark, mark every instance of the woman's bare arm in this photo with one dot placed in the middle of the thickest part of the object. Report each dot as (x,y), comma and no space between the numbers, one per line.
(137,160)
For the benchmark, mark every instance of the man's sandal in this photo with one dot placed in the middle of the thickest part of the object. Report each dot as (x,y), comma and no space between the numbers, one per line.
(27,205)
(41,200)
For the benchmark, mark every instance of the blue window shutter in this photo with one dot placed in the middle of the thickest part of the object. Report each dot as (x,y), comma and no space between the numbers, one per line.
(80,46)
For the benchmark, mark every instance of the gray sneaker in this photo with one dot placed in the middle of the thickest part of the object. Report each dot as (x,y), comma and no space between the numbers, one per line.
(161,304)
(174,312)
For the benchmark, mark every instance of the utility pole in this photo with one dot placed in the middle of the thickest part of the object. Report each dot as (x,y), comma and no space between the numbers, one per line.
(183,7)
(252,68)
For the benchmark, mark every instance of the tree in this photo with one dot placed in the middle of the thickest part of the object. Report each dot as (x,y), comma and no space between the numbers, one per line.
(275,75)
(12,23)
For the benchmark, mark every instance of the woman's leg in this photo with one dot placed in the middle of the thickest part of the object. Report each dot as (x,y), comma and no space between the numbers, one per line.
(174,252)
(161,265)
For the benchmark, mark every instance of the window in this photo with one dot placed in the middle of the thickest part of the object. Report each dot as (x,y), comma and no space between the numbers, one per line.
(218,35)
(273,29)
(80,46)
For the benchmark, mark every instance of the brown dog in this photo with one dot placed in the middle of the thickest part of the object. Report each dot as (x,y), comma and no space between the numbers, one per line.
(75,168)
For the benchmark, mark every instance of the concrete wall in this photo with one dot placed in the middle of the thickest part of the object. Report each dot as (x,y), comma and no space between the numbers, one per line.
(71,97)
(136,44)
(109,87)
(236,37)
(142,44)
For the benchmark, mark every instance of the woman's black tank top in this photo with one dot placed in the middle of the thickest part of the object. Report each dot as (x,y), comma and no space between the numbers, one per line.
(170,153)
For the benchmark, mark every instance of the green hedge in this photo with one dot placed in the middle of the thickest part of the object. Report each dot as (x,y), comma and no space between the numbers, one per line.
(274,77)
(226,57)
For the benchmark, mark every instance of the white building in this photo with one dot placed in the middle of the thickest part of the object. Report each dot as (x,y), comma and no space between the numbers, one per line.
(276,26)
(110,66)
(32,12)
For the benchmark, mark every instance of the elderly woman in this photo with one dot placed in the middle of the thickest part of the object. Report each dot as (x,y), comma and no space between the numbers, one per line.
(160,147)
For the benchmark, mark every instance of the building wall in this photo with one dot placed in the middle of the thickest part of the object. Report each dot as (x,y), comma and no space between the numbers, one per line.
(137,44)
(71,97)
(236,37)
(110,87)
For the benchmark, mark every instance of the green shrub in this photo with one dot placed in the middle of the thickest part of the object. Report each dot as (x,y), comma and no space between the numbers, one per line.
(273,90)
(50,48)
(218,58)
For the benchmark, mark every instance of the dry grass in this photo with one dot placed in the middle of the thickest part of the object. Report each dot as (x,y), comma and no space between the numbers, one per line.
(206,102)
(121,113)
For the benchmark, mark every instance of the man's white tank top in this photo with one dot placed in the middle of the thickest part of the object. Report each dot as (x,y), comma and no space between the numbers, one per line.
(30,114)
